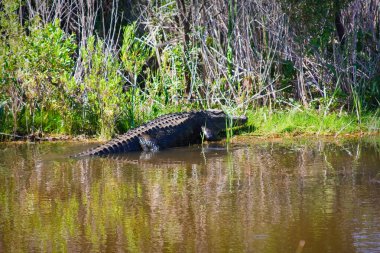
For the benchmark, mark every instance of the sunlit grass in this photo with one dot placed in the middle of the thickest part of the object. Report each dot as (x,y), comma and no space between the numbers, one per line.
(308,121)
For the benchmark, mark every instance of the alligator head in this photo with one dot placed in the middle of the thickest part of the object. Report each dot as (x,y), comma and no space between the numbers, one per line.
(217,121)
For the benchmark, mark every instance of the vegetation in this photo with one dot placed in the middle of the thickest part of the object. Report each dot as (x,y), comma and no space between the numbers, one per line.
(301,121)
(99,69)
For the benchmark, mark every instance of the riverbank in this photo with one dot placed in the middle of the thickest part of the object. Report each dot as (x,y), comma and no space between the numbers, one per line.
(306,122)
(264,123)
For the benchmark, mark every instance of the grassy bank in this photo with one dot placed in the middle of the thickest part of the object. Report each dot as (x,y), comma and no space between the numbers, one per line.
(263,123)
(302,121)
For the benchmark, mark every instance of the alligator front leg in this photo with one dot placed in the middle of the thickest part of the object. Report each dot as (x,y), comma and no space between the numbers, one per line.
(148,144)
(209,134)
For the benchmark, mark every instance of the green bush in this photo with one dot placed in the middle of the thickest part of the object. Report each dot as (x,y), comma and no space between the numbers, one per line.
(100,93)
(33,67)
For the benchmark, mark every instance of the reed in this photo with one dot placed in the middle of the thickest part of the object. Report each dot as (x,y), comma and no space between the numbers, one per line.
(93,70)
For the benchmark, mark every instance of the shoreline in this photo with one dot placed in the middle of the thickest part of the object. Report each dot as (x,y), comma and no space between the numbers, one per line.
(236,138)
(278,138)
(263,124)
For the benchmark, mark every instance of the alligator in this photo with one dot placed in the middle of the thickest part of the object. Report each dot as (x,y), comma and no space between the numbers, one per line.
(167,131)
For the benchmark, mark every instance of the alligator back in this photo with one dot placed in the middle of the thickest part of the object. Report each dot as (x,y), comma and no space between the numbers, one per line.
(169,130)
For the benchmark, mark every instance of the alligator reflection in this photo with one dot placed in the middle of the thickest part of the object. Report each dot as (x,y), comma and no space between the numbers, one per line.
(264,197)
(188,156)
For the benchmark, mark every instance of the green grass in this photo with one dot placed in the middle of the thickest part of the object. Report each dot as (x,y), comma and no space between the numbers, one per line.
(298,121)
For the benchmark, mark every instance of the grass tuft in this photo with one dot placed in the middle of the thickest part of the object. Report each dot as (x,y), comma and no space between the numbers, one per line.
(264,122)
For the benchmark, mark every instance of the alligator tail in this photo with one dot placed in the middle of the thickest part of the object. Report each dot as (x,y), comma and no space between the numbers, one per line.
(114,146)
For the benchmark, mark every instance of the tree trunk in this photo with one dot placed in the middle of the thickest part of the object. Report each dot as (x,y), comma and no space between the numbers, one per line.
(338,23)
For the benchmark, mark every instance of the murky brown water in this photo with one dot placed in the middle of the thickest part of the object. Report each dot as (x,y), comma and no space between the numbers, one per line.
(253,197)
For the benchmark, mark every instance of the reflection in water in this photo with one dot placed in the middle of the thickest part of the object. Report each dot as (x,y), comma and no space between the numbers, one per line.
(256,197)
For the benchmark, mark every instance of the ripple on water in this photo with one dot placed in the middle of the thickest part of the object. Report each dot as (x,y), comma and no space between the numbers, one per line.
(259,196)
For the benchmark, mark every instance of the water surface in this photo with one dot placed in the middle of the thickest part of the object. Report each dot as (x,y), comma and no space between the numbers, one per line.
(285,196)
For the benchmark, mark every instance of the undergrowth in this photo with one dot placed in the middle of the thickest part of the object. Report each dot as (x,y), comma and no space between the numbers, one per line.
(61,76)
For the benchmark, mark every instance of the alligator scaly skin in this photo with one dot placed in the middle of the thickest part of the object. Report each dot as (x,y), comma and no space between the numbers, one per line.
(171,130)
(129,142)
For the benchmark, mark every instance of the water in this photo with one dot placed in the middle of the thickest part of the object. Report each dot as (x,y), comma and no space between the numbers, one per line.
(261,196)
